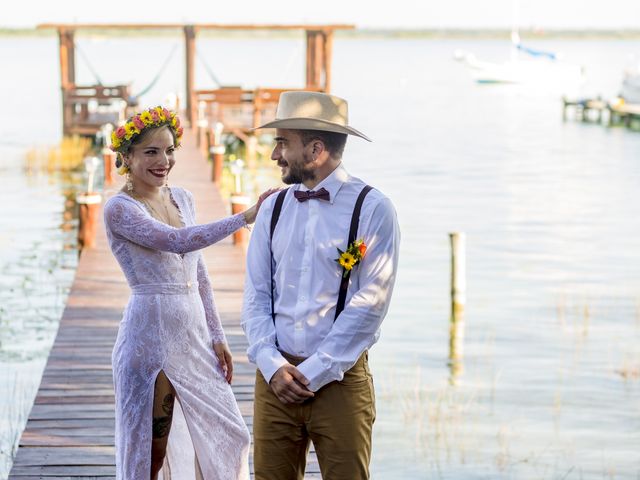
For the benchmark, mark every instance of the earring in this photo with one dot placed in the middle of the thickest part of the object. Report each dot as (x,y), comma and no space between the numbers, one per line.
(129,183)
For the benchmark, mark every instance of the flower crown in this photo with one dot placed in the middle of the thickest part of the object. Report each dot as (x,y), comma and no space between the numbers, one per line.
(154,117)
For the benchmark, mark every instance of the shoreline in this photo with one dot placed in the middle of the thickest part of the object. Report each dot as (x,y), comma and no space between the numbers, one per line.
(358,33)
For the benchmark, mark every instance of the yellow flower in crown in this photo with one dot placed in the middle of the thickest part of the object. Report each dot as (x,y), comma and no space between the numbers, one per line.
(131,130)
(146,117)
(161,114)
(155,117)
(115,141)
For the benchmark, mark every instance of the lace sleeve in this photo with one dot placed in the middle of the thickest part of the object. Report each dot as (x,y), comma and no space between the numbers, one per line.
(127,219)
(210,310)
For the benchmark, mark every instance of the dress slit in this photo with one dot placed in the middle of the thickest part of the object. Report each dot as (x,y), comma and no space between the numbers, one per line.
(180,444)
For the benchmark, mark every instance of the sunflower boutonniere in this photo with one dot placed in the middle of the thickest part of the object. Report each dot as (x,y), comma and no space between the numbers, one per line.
(351,256)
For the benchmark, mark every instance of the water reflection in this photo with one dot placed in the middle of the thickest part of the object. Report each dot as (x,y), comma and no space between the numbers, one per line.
(37,265)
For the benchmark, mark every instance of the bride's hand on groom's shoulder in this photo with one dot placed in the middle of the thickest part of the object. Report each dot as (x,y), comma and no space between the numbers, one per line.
(251,213)
(224,359)
(290,385)
(263,196)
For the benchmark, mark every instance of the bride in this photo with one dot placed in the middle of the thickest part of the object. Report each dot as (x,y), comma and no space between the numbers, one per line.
(172,368)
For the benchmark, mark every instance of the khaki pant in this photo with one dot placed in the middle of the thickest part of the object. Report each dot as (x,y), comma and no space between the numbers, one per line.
(338,420)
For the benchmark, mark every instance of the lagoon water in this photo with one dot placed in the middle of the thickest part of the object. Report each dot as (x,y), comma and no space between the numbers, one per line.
(549,382)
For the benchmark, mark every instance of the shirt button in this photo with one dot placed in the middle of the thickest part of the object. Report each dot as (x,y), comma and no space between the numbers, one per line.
(305,269)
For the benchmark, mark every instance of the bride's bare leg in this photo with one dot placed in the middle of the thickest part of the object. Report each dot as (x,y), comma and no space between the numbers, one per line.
(164,396)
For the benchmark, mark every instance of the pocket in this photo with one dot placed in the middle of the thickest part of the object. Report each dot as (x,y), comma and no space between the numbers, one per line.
(358,374)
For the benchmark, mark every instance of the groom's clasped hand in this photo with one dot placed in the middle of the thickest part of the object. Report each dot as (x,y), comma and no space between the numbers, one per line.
(289,385)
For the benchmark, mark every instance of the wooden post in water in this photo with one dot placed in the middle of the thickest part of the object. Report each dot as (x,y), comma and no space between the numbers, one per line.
(458,301)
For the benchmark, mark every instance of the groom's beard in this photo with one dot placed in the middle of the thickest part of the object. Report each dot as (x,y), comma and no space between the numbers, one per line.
(299,172)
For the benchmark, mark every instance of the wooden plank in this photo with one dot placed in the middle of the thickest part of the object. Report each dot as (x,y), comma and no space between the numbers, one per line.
(64,472)
(62,456)
(64,439)
(69,424)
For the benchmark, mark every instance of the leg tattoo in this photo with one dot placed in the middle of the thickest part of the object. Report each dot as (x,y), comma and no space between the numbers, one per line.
(167,404)
(161,427)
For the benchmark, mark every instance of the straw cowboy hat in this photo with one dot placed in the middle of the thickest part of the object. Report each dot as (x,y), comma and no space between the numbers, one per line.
(313,111)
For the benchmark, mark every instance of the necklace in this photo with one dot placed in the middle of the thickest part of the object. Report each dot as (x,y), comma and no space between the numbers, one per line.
(154,213)
(163,218)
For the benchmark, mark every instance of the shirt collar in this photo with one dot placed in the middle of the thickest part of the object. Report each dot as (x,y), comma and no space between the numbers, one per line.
(332,183)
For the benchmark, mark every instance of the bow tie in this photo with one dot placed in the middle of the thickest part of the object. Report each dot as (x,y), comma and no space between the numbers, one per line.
(303,196)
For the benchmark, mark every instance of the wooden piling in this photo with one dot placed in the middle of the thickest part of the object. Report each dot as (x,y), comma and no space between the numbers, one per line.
(109,159)
(239,203)
(458,270)
(89,209)
(458,301)
(217,155)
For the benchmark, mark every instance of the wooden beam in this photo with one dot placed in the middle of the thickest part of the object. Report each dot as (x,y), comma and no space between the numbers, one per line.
(67,75)
(190,50)
(71,45)
(315,59)
(309,59)
(67,58)
(204,26)
(318,59)
(328,54)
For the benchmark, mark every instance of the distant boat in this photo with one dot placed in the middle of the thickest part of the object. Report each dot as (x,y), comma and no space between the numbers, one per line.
(536,67)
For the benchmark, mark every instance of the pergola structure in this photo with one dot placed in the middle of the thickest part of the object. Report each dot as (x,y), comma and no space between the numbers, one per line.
(75,98)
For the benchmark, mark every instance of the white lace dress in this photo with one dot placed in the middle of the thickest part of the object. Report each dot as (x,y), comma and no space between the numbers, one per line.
(169,324)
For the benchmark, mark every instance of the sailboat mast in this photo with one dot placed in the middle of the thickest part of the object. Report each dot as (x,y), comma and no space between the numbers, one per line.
(515,26)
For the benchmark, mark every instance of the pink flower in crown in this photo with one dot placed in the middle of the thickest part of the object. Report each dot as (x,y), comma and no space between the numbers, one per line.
(121,132)
(180,131)
(155,116)
(167,113)
(138,122)
(177,124)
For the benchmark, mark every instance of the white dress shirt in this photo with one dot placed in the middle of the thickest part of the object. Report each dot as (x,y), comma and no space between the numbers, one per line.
(307,280)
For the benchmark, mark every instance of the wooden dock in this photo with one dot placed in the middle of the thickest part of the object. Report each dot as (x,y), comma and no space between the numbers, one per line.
(600,111)
(70,430)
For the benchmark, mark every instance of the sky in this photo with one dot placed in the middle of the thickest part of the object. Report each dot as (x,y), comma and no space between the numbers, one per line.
(409,14)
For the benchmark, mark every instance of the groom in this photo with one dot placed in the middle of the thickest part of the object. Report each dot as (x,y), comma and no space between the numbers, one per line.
(321,266)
